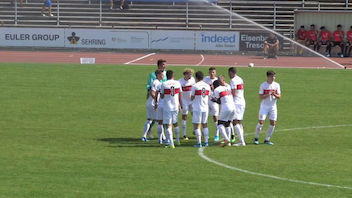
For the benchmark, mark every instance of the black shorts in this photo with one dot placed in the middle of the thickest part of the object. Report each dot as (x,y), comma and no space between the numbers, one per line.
(311,42)
(324,42)
(334,43)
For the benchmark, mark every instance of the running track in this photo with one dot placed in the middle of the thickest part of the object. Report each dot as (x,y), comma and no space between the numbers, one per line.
(148,58)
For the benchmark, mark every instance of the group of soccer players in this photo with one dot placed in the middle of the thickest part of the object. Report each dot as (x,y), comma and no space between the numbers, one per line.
(204,96)
(317,39)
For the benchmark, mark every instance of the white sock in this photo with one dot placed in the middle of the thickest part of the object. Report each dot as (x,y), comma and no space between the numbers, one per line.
(257,130)
(177,133)
(216,129)
(222,130)
(150,127)
(228,132)
(161,132)
(198,135)
(169,136)
(239,133)
(184,127)
(206,134)
(146,127)
(232,130)
(270,132)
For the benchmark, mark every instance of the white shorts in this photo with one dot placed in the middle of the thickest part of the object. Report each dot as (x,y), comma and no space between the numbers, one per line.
(186,107)
(226,114)
(213,108)
(151,112)
(199,117)
(239,111)
(170,117)
(159,113)
(268,110)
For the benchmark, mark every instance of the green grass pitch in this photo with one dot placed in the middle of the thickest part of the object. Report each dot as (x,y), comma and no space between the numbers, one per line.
(74,131)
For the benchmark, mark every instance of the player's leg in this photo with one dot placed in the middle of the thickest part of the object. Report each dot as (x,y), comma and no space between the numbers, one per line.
(329,46)
(160,127)
(150,116)
(204,122)
(238,124)
(177,129)
(185,109)
(342,49)
(167,120)
(214,111)
(262,116)
(273,118)
(196,120)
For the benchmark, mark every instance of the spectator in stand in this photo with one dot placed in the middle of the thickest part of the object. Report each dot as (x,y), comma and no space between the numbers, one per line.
(301,39)
(112,4)
(348,46)
(324,39)
(311,37)
(47,5)
(271,47)
(337,37)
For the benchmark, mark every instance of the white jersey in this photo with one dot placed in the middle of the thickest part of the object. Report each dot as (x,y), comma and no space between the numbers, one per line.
(186,90)
(238,85)
(266,88)
(225,95)
(156,86)
(171,90)
(200,91)
(210,81)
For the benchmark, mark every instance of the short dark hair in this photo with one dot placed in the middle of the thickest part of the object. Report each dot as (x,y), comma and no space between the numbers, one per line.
(212,68)
(322,27)
(302,26)
(339,25)
(270,73)
(158,71)
(312,25)
(216,84)
(199,75)
(169,74)
(160,61)
(233,70)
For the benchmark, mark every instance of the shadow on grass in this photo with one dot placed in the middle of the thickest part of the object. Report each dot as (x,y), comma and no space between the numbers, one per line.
(137,142)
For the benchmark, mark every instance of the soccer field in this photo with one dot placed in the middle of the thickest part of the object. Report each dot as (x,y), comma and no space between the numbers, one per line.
(74,131)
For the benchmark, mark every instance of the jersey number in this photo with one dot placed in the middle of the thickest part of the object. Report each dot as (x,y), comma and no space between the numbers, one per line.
(203,92)
(172,91)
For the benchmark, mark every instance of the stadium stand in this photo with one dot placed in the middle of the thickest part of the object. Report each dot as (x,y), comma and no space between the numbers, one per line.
(277,15)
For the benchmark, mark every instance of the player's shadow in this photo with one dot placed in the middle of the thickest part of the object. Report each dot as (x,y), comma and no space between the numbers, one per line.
(128,142)
(137,142)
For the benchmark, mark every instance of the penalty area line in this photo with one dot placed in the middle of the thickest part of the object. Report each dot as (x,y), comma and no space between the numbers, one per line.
(140,58)
(203,156)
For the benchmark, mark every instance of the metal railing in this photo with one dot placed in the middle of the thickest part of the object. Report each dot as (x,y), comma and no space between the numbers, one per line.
(318,6)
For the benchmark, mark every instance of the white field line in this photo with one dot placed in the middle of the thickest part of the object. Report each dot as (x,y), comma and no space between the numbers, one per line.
(201,61)
(140,58)
(202,155)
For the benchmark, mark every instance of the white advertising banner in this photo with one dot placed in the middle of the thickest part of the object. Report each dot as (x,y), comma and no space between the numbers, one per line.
(172,39)
(116,39)
(217,40)
(120,39)
(33,37)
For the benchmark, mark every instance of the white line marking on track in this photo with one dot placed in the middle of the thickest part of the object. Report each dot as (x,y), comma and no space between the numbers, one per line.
(202,155)
(140,58)
(202,57)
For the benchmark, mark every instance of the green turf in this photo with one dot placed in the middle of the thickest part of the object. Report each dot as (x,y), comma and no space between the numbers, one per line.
(74,131)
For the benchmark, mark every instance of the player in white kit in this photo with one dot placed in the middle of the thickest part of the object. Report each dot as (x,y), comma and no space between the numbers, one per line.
(213,106)
(186,83)
(223,94)
(237,86)
(200,98)
(171,93)
(269,93)
(158,103)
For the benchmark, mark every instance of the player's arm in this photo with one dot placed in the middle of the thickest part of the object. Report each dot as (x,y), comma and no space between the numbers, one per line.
(263,96)
(180,100)
(277,96)
(155,97)
(193,93)
(234,92)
